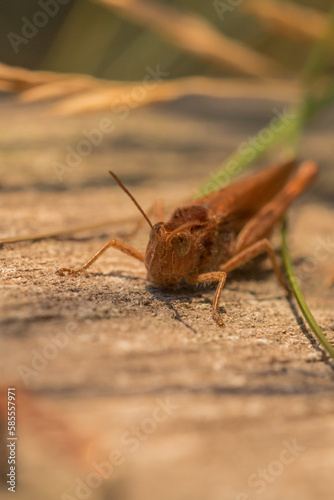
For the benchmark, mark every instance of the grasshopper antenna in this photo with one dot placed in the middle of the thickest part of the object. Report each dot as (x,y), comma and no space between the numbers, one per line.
(120,183)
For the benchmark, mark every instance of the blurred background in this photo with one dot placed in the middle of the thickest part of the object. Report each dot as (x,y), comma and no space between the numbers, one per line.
(86,56)
(86,37)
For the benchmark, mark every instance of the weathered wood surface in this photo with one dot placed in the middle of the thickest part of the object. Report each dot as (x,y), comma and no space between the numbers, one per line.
(238,395)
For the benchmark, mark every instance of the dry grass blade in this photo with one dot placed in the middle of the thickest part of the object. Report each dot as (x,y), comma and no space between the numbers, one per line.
(65,232)
(108,98)
(195,35)
(80,93)
(17,79)
(56,89)
(43,85)
(299,23)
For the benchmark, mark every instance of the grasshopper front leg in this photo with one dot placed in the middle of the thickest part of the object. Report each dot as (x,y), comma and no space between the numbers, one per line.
(219,276)
(119,245)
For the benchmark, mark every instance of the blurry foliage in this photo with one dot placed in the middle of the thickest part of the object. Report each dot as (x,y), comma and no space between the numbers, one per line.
(88,38)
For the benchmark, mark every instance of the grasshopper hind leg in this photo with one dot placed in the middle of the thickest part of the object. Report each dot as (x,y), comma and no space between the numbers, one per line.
(260,247)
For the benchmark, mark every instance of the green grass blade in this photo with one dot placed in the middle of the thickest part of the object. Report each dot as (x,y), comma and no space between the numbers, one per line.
(321,54)
(282,130)
(285,130)
(300,298)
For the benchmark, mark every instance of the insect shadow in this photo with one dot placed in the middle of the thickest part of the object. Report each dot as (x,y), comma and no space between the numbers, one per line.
(251,271)
(185,293)
(118,274)
(166,296)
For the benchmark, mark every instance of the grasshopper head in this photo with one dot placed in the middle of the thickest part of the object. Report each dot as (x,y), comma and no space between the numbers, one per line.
(170,253)
(171,250)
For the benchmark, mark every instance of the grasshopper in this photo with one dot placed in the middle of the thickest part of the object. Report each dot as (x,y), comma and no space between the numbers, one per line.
(204,240)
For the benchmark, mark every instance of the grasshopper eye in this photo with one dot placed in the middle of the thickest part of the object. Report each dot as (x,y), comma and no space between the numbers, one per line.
(157,230)
(181,243)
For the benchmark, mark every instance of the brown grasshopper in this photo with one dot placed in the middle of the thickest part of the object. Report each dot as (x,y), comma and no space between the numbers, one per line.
(213,235)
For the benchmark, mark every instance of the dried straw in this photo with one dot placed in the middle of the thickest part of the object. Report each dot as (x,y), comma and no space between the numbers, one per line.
(195,35)
(293,21)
